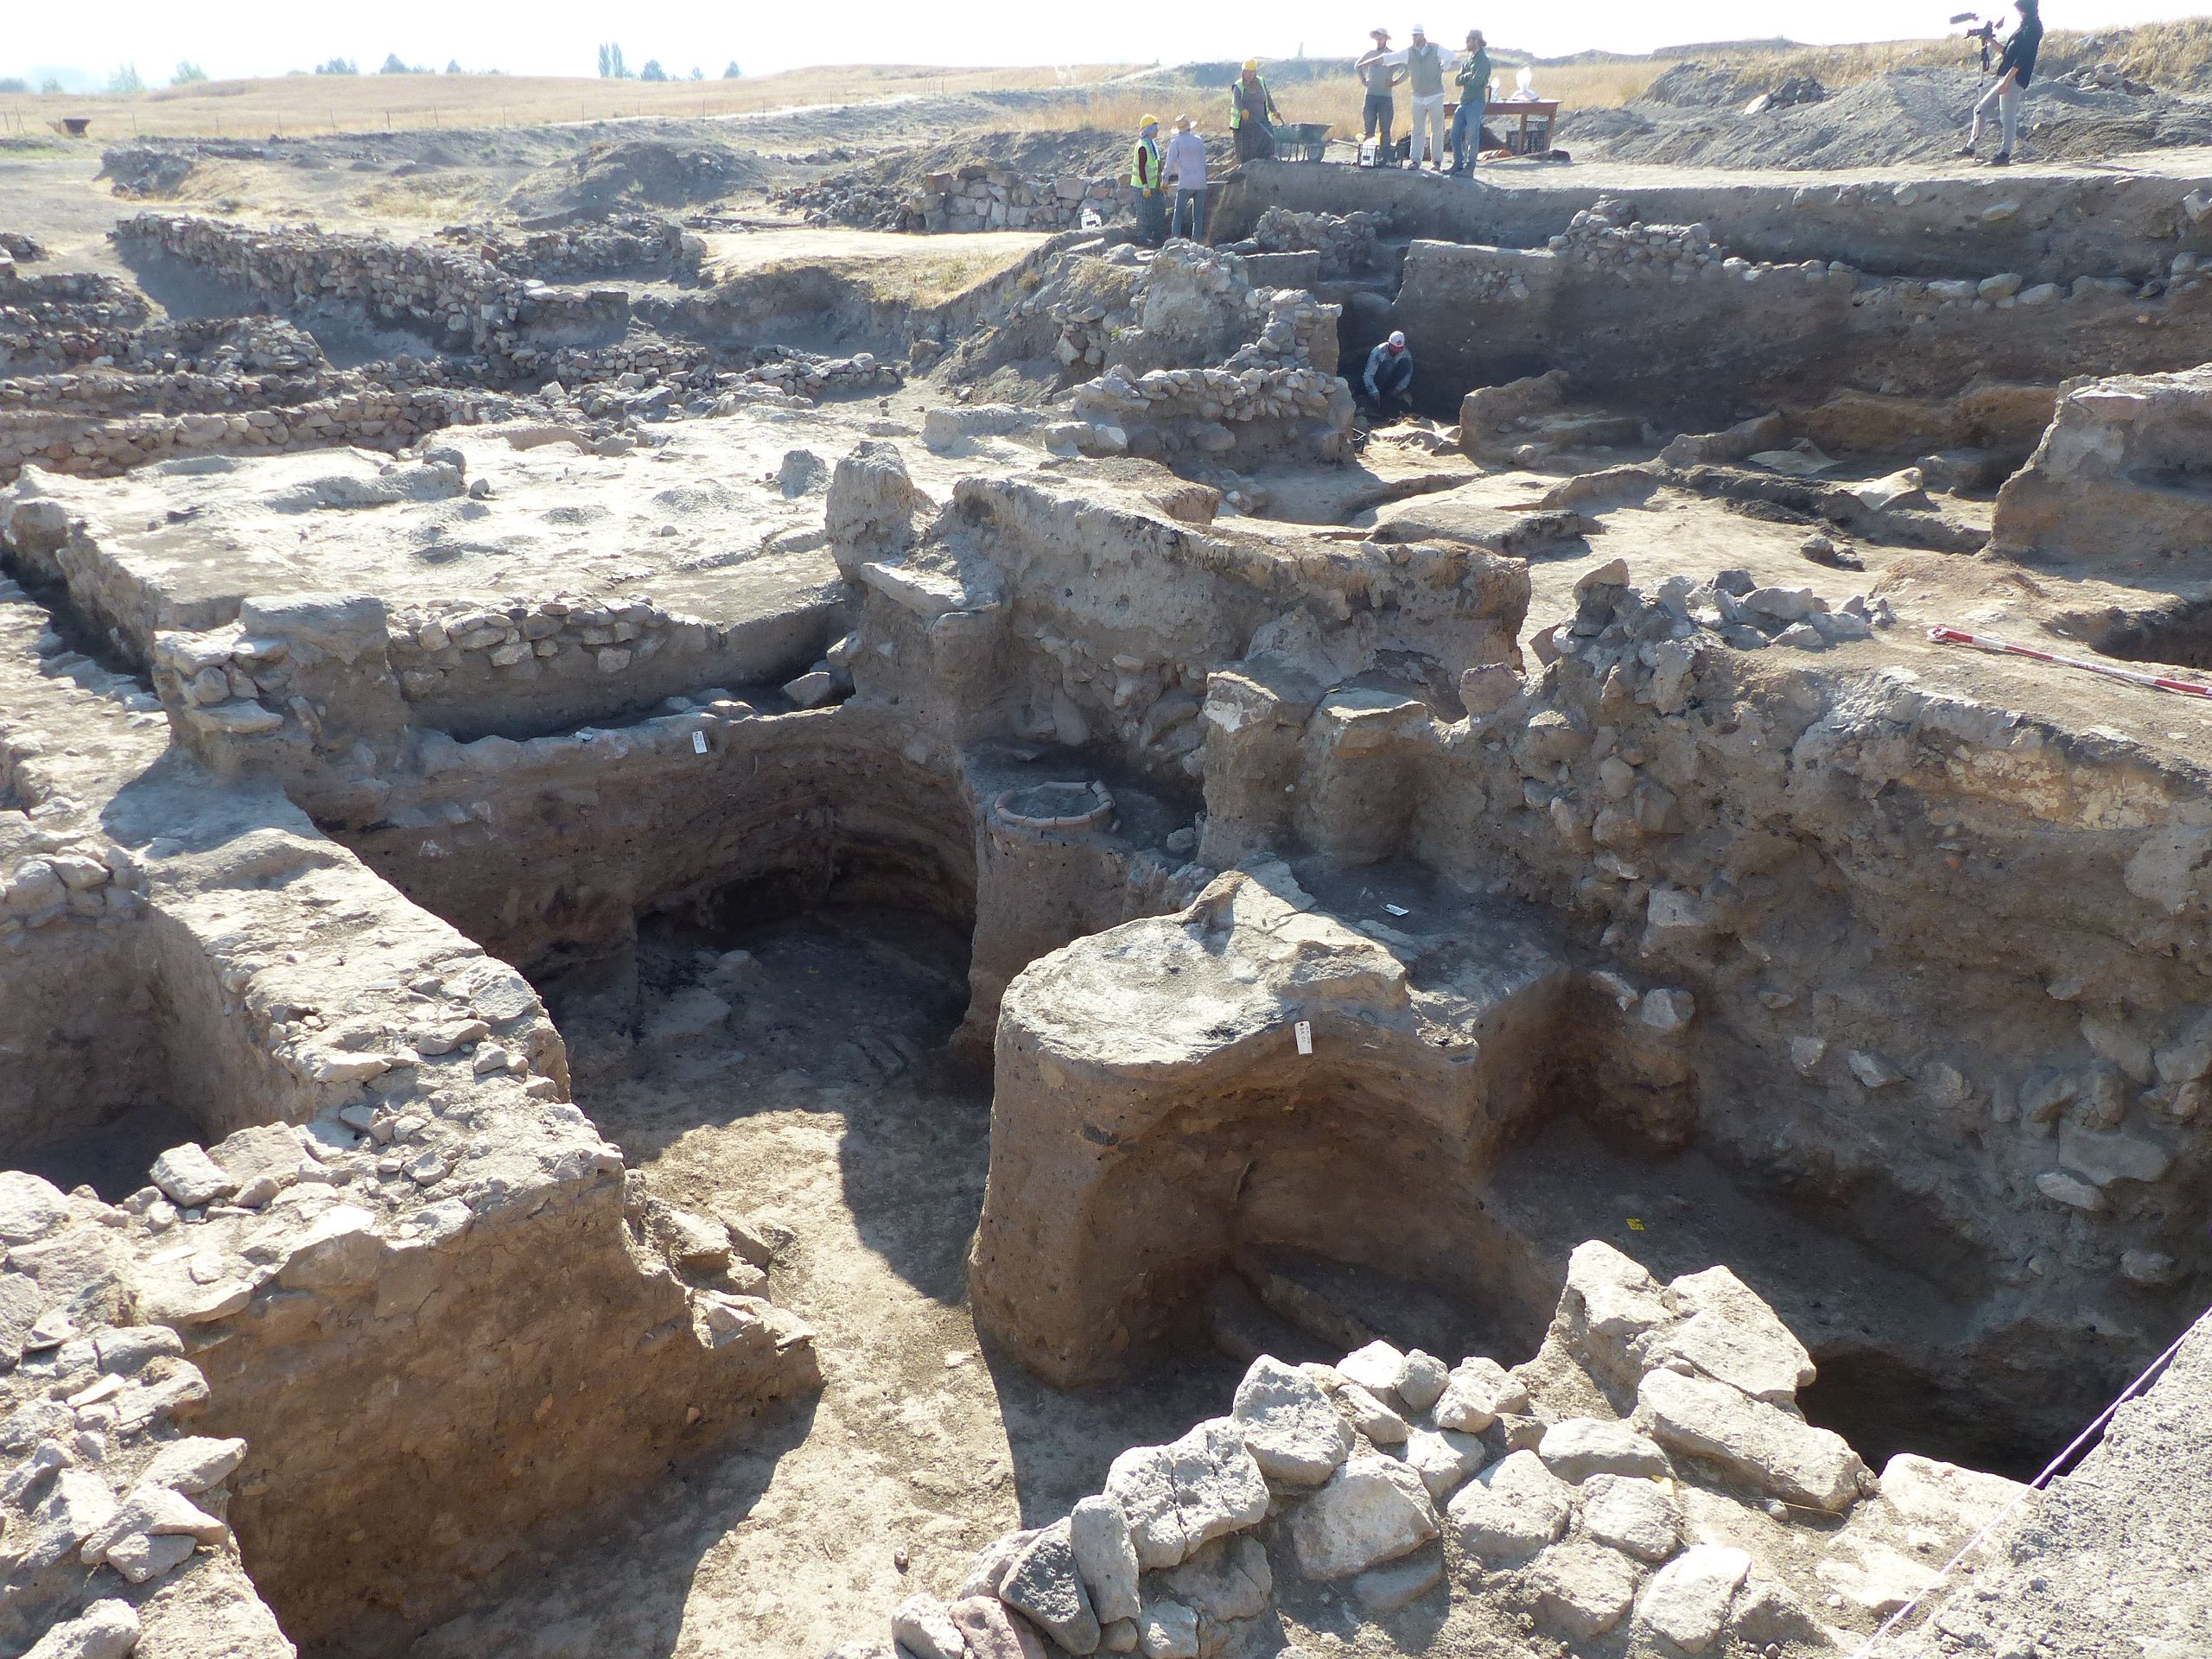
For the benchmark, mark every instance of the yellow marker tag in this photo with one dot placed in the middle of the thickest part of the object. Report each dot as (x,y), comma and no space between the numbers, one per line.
(1634,1225)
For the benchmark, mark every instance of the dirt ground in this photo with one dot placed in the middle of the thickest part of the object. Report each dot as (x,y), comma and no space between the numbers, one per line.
(821,1099)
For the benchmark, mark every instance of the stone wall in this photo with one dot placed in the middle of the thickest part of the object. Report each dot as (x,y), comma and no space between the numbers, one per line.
(323,1345)
(2048,229)
(369,415)
(632,244)
(977,197)
(2124,472)
(1276,389)
(457,299)
(1743,335)
(66,317)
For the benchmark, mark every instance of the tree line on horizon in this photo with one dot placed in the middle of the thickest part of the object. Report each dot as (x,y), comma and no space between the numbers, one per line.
(125,79)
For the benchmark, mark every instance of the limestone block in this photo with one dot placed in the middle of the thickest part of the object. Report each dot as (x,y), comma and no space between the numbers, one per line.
(190,1177)
(1631,1514)
(1180,1497)
(1582,1589)
(1444,1458)
(992,1632)
(1479,1392)
(1228,1581)
(1512,1507)
(1581,1447)
(30,1208)
(922,1626)
(1774,1451)
(1105,1557)
(1687,1600)
(1042,1582)
(1378,1368)
(1168,1629)
(1423,1380)
(193,1464)
(106,1630)
(1293,1432)
(1383,1590)
(1371,1416)
(1373,1509)
(1609,1300)
(1733,1335)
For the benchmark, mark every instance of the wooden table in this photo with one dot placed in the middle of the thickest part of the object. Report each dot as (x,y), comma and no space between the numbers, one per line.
(1535,118)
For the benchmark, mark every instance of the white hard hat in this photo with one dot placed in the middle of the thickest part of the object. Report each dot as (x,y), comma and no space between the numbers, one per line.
(1398,342)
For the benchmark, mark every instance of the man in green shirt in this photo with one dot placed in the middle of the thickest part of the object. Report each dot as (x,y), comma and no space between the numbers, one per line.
(1473,79)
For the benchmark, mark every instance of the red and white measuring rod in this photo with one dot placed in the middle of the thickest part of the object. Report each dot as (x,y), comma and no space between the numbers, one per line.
(1944,636)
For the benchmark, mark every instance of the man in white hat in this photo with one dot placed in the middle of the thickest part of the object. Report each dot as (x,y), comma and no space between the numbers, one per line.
(1390,377)
(1425,80)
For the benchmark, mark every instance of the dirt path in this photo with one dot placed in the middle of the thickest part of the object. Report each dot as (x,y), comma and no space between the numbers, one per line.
(820,1100)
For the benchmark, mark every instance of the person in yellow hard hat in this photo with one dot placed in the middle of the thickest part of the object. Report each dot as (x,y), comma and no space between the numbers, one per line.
(1144,179)
(1251,109)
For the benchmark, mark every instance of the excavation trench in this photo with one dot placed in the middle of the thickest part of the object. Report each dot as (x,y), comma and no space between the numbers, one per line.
(767,977)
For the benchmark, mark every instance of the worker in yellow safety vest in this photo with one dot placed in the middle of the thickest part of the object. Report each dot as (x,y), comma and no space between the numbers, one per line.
(1251,111)
(1144,181)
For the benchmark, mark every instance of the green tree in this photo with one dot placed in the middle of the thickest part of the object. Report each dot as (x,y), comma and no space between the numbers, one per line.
(49,85)
(391,65)
(611,66)
(15,84)
(653,71)
(733,73)
(338,67)
(453,66)
(698,74)
(126,78)
(186,73)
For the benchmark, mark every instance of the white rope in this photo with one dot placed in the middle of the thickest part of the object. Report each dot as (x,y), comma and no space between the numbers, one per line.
(2035,1485)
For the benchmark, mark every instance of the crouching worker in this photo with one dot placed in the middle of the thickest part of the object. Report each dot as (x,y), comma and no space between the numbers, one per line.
(1390,377)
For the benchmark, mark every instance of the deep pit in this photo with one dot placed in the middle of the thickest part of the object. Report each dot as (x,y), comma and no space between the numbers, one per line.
(660,992)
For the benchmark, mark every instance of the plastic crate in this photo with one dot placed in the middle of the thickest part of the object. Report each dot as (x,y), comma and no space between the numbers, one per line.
(1301,141)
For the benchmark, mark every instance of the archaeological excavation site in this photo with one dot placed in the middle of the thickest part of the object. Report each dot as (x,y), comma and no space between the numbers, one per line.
(723,933)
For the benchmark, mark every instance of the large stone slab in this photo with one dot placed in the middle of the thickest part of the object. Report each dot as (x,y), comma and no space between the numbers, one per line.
(1757,1442)
(1293,1432)
(1180,1497)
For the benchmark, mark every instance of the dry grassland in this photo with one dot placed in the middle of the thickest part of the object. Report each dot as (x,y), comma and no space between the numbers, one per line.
(306,103)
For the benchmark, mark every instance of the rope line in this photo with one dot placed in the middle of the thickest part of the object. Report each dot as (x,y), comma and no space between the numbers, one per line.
(2037,1485)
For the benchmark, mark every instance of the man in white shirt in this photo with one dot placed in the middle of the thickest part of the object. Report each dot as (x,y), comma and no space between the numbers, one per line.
(1425,81)
(1185,170)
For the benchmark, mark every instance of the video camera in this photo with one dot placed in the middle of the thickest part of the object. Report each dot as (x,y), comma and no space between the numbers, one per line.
(1984,29)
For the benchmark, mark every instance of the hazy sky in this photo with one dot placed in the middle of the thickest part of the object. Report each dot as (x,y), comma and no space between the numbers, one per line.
(259,37)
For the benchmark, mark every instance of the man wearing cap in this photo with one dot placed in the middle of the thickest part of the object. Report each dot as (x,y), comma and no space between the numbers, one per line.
(1474,100)
(1380,69)
(1251,108)
(1390,377)
(1145,180)
(1185,170)
(1425,73)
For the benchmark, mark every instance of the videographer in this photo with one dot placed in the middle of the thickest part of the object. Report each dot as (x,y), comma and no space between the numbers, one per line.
(2014,71)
